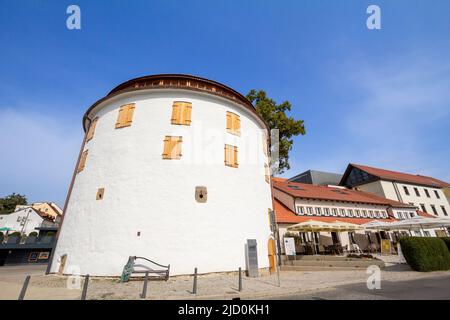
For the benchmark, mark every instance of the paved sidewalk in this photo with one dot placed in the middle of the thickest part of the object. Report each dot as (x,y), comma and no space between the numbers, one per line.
(212,286)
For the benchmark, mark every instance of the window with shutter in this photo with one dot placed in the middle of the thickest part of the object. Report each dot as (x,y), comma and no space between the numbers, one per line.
(233,123)
(82,162)
(267,173)
(172,147)
(125,116)
(231,156)
(91,130)
(181,113)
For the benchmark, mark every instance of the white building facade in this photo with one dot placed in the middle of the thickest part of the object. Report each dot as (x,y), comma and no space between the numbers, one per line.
(174,169)
(425,193)
(298,202)
(24,221)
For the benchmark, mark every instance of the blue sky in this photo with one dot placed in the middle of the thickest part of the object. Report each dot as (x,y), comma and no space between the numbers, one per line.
(377,97)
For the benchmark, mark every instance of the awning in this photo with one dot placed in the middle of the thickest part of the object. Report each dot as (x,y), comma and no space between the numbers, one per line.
(346,226)
(311,226)
(318,226)
(416,223)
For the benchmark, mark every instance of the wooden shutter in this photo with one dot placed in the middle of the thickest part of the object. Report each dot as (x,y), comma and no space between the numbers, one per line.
(187,112)
(82,162)
(181,113)
(233,123)
(231,156)
(237,125)
(229,121)
(267,173)
(172,147)
(91,130)
(125,117)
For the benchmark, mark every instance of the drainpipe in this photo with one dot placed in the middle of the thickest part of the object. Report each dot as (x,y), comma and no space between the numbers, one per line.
(397,192)
(69,193)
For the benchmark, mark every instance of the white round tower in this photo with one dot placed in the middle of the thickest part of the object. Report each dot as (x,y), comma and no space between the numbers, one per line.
(173,168)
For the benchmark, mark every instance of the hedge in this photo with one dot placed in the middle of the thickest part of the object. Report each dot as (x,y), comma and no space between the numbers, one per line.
(447,242)
(425,253)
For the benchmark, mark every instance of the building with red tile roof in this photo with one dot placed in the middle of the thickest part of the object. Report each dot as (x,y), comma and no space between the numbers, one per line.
(421,191)
(294,203)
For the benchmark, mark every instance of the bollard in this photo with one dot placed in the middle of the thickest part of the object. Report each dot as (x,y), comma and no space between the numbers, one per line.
(85,287)
(240,279)
(144,289)
(24,288)
(194,289)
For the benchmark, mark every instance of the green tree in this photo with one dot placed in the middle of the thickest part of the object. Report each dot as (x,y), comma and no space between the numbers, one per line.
(275,116)
(8,203)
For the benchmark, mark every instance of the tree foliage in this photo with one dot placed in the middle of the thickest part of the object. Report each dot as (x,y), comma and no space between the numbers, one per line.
(275,116)
(8,203)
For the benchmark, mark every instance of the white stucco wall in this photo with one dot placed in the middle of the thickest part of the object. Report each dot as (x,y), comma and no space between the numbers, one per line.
(25,220)
(423,199)
(146,194)
(387,189)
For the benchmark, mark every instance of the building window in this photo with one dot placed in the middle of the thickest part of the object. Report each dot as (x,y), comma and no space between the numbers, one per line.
(427,193)
(318,211)
(411,214)
(364,213)
(370,213)
(172,147)
(334,211)
(434,209)
(125,116)
(426,233)
(377,214)
(437,194)
(100,193)
(82,162)
(267,173)
(342,212)
(181,113)
(233,123)
(90,133)
(416,191)
(231,156)
(444,211)
(350,213)
(422,206)
(310,211)
(358,213)
(301,210)
(405,188)
(326,211)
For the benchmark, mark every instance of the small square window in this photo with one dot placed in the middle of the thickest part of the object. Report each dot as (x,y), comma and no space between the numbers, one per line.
(100,193)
